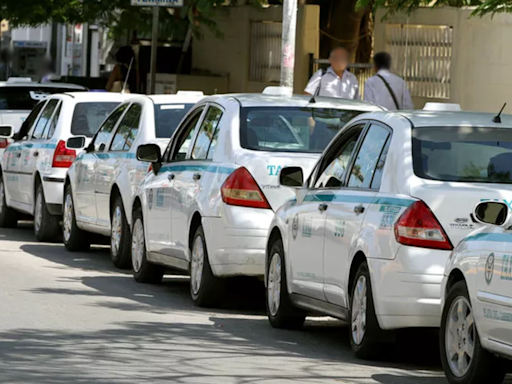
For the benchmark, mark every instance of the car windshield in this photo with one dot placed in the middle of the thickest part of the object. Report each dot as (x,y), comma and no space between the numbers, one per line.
(291,129)
(167,118)
(464,154)
(26,98)
(88,117)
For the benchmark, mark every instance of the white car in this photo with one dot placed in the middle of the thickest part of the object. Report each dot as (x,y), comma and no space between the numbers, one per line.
(19,95)
(207,205)
(368,235)
(34,166)
(104,178)
(476,326)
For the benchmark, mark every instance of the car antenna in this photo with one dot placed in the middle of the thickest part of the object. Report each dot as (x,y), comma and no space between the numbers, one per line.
(497,118)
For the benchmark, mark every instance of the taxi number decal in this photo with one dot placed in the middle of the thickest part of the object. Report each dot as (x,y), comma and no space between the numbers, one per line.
(389,213)
(506,268)
(339,229)
(307,227)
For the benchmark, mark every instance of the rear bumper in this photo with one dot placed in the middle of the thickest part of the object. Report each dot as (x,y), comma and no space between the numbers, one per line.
(236,241)
(53,186)
(407,290)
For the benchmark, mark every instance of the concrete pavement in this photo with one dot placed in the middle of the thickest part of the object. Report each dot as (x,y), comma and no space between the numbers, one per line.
(74,318)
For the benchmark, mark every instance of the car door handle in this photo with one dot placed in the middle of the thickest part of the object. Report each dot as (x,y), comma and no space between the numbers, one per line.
(359,209)
(323,207)
(18,154)
(36,154)
(196,176)
(170,176)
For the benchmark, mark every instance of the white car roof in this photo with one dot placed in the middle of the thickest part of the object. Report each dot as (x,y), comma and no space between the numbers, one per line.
(41,85)
(445,119)
(98,96)
(262,100)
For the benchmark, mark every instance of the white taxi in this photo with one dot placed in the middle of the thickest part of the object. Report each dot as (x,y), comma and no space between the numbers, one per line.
(368,235)
(104,178)
(207,205)
(34,166)
(476,326)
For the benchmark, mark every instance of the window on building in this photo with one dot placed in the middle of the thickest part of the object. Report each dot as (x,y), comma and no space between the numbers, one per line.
(266,40)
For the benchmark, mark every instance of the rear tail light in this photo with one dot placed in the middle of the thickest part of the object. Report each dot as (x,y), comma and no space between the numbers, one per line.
(4,143)
(63,157)
(419,227)
(241,189)
(150,168)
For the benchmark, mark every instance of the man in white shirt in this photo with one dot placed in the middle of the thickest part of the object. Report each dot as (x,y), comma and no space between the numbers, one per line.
(336,81)
(385,88)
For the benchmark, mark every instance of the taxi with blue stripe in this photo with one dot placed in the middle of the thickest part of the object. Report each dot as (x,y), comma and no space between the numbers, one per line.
(476,323)
(368,234)
(207,206)
(100,186)
(34,165)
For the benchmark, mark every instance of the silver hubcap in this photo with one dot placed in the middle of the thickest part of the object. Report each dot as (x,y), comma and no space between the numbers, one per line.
(68,217)
(196,271)
(137,245)
(359,311)
(274,284)
(460,336)
(38,218)
(115,238)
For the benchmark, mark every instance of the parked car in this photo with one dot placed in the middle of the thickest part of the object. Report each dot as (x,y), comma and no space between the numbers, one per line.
(34,166)
(207,205)
(104,178)
(19,95)
(368,235)
(476,326)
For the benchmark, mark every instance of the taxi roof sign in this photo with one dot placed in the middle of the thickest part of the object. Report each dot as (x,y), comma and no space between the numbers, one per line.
(452,107)
(158,3)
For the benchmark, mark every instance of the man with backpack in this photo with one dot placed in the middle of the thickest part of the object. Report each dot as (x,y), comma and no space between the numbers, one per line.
(385,88)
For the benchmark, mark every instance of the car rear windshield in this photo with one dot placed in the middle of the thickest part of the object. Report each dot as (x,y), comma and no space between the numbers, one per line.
(167,118)
(88,117)
(291,129)
(464,154)
(26,98)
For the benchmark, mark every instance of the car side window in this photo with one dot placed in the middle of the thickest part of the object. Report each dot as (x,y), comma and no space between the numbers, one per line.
(44,119)
(53,124)
(368,157)
(127,130)
(105,131)
(206,141)
(334,171)
(185,136)
(28,124)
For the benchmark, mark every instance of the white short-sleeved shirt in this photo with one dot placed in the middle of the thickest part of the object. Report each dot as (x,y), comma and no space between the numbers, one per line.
(331,85)
(375,91)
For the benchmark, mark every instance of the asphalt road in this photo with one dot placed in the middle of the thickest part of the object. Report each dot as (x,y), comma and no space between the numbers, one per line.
(74,318)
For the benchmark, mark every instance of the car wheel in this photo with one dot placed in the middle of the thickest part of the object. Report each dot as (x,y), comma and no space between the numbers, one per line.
(280,310)
(75,239)
(143,270)
(46,225)
(205,288)
(364,328)
(120,237)
(8,216)
(463,358)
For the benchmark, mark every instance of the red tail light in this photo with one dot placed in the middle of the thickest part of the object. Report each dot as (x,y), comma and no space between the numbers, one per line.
(3,143)
(419,227)
(150,168)
(241,189)
(63,157)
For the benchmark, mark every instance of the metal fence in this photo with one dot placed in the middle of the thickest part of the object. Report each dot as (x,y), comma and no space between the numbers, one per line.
(265,51)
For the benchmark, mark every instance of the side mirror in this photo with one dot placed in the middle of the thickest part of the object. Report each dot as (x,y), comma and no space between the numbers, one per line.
(150,153)
(291,177)
(6,131)
(76,142)
(493,212)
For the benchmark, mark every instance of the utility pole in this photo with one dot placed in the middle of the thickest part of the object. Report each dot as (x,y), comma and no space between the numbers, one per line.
(288,49)
(154,48)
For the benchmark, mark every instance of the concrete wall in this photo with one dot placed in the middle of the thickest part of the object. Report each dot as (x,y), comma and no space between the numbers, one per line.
(230,56)
(481,67)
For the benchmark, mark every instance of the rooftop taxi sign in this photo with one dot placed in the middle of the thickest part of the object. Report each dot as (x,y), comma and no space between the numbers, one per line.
(158,3)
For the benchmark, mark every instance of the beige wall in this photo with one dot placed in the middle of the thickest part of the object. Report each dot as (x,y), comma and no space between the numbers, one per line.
(230,56)
(481,68)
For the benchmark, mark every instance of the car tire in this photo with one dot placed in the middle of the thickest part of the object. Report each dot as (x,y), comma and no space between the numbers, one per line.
(120,237)
(281,312)
(8,216)
(143,270)
(205,289)
(46,225)
(75,239)
(483,366)
(364,331)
